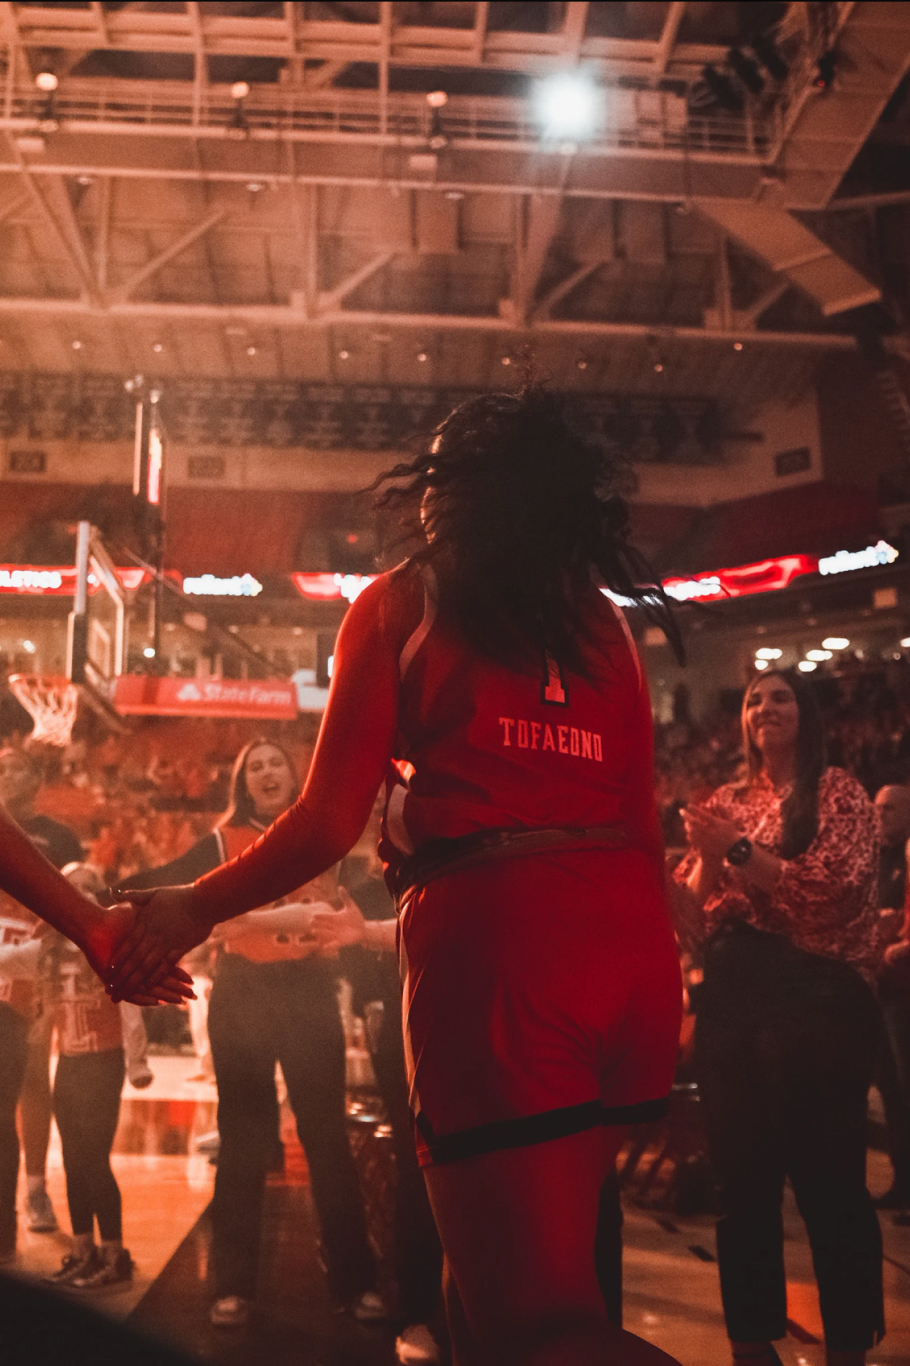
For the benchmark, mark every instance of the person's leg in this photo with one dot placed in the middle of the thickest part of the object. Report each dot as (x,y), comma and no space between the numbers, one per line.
(892,1077)
(311,1053)
(70,1112)
(518,1230)
(418,1253)
(743,1126)
(608,1247)
(35,1106)
(198,1011)
(100,1103)
(244,1060)
(834,1045)
(13,1047)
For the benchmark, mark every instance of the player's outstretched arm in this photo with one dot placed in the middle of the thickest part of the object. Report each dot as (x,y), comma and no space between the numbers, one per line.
(351,760)
(29,877)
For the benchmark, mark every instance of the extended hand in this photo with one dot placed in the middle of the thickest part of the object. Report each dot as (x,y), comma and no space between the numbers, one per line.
(106,930)
(336,929)
(708,834)
(167,924)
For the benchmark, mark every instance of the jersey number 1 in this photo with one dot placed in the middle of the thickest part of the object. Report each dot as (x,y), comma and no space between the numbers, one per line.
(553,689)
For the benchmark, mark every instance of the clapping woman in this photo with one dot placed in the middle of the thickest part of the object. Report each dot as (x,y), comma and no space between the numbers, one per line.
(780,884)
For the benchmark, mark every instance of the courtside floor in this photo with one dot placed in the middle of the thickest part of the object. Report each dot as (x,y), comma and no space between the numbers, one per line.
(671,1294)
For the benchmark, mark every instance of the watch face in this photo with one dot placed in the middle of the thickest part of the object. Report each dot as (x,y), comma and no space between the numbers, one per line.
(739,852)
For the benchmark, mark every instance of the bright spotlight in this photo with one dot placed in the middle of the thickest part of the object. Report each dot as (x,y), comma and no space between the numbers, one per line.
(149,652)
(47,82)
(835,643)
(768,652)
(761,663)
(818,655)
(29,647)
(905,643)
(807,666)
(568,105)
(240,90)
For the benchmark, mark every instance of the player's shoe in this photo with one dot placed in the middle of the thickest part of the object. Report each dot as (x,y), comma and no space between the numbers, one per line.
(231,1311)
(416,1346)
(41,1216)
(74,1267)
(116,1270)
(368,1307)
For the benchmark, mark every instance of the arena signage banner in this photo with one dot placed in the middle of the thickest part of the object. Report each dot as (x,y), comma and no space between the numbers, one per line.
(770,575)
(57,580)
(257,699)
(331,587)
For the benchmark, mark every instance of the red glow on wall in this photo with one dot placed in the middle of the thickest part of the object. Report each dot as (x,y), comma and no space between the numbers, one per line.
(767,576)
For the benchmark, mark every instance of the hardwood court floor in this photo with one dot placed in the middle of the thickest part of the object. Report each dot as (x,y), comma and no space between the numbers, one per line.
(671,1292)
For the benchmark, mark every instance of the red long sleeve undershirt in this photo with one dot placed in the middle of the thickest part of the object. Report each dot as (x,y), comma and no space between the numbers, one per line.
(352,755)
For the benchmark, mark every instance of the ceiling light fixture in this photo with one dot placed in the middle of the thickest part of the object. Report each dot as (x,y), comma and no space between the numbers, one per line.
(77,345)
(157,348)
(344,353)
(737,346)
(836,643)
(807,666)
(46,82)
(568,105)
(251,350)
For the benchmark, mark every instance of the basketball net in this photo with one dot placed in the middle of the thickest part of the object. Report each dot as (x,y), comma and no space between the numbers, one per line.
(52,704)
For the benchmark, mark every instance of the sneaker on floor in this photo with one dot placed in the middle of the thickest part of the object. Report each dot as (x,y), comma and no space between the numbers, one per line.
(116,1271)
(416,1344)
(74,1267)
(41,1216)
(369,1307)
(231,1311)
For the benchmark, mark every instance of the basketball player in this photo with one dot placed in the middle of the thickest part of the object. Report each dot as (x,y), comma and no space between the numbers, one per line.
(498,693)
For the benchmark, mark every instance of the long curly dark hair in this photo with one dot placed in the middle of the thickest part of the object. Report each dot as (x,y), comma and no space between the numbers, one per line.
(800,810)
(522,515)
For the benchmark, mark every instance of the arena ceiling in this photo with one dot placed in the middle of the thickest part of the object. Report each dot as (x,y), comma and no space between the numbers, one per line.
(332,225)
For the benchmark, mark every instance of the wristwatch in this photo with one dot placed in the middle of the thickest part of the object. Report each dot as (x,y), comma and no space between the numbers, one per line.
(739,852)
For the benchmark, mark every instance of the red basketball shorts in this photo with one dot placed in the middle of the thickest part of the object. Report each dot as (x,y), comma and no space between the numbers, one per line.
(542,996)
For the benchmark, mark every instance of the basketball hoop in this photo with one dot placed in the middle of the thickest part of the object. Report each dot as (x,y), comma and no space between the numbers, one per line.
(52,704)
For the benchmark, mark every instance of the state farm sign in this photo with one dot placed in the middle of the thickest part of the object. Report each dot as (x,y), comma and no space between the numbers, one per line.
(261,699)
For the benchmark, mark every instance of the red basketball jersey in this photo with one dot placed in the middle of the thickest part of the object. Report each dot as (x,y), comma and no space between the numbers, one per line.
(482,746)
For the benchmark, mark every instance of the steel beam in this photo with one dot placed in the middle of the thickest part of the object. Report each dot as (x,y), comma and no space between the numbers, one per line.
(279,316)
(155,264)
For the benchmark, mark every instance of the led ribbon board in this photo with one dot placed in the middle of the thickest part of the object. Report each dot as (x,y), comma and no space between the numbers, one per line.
(57,580)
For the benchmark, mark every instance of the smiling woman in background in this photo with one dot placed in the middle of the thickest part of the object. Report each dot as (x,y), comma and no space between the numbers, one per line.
(273,1000)
(780,880)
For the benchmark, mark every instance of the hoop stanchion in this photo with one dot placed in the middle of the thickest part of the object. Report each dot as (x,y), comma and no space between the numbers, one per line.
(52,704)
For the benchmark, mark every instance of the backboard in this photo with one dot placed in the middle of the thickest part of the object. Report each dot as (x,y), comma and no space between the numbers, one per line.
(96,634)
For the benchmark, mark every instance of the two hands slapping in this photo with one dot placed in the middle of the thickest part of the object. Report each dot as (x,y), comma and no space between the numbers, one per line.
(159,927)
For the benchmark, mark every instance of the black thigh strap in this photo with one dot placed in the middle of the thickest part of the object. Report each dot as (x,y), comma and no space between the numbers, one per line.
(530,1129)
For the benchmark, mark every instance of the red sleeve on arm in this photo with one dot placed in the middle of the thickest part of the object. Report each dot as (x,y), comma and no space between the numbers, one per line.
(352,755)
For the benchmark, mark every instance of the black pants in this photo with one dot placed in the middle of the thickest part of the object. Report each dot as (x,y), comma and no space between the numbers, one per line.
(418,1251)
(260,1013)
(87,1106)
(785,1046)
(13,1052)
(892,1076)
